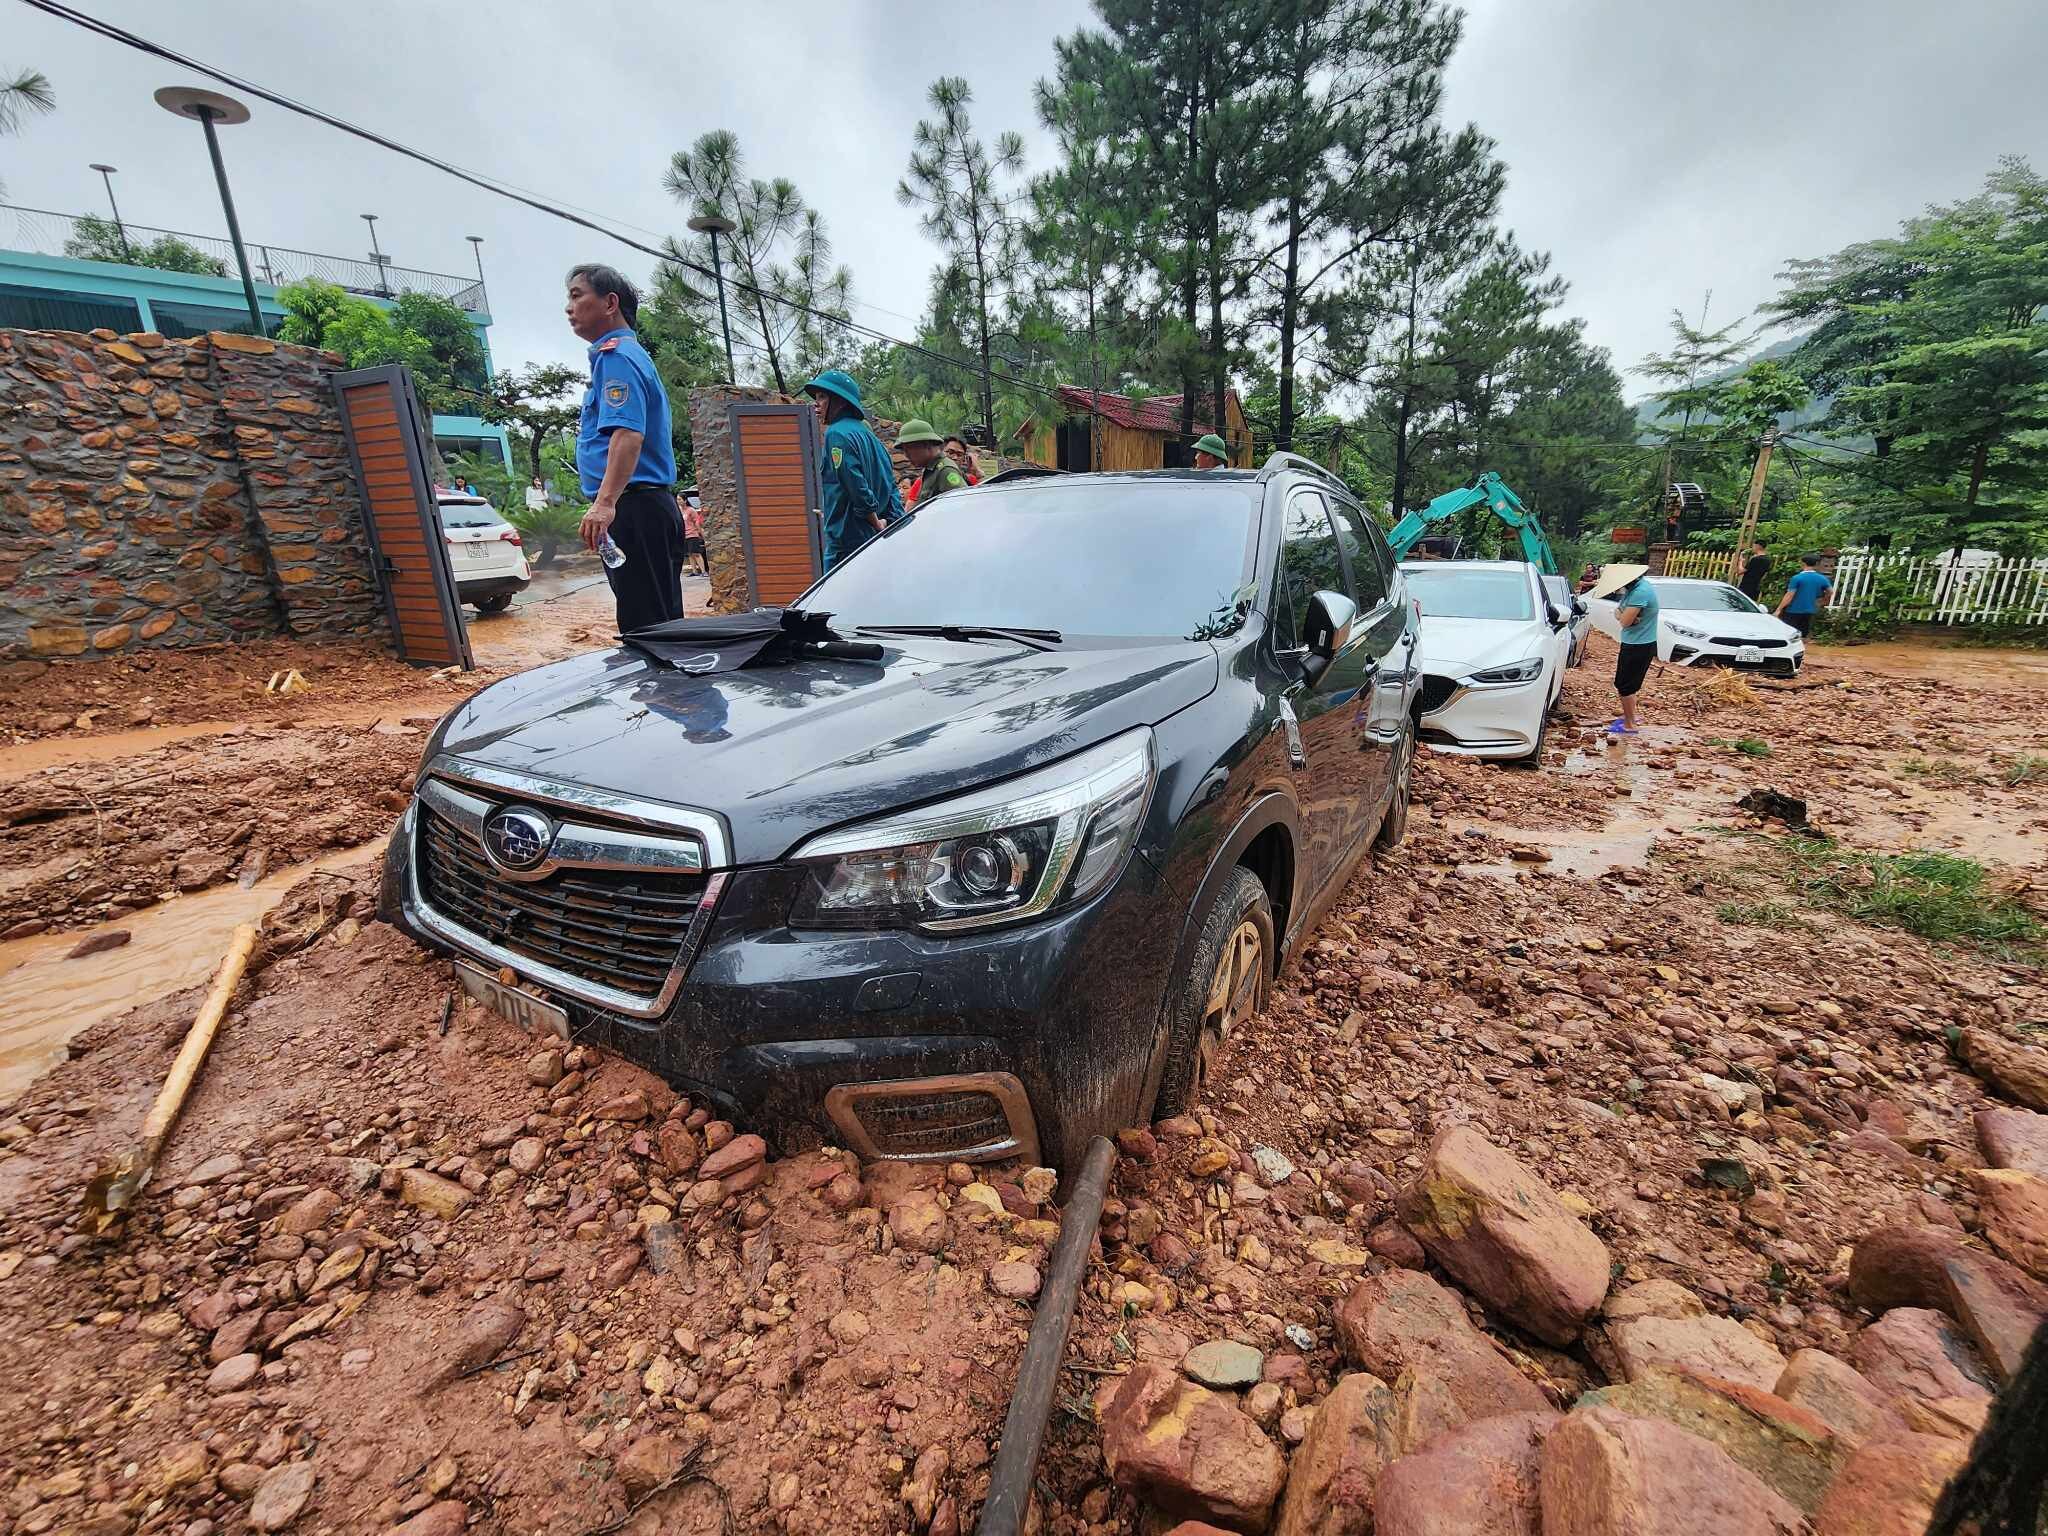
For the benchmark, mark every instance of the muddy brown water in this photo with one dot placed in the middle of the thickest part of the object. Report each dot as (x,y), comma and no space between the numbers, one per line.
(46,999)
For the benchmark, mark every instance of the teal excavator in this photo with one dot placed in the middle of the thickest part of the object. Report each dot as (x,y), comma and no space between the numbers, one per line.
(1488,491)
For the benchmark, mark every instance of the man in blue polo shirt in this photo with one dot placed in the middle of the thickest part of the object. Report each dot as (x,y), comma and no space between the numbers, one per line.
(624,455)
(1804,594)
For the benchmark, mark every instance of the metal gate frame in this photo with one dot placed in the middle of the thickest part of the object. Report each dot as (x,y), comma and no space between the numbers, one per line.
(412,437)
(811,445)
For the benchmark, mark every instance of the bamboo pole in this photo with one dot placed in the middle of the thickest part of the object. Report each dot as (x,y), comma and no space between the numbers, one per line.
(114,1188)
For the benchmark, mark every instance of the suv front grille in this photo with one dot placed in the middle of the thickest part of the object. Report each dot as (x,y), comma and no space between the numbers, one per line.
(616,928)
(1436,691)
(1762,645)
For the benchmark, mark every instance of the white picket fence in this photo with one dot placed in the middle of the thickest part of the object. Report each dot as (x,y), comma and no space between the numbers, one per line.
(1947,590)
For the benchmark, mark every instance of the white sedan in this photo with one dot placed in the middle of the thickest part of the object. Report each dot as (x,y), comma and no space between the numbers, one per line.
(1492,656)
(1711,624)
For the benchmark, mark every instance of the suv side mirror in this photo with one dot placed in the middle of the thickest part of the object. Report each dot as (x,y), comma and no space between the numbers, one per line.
(1578,607)
(1558,618)
(1326,630)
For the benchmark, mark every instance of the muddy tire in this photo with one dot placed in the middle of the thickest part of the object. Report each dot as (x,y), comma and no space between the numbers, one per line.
(1394,825)
(1228,980)
(495,604)
(1535,757)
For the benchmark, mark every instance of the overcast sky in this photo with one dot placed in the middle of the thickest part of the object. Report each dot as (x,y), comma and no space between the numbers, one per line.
(1655,149)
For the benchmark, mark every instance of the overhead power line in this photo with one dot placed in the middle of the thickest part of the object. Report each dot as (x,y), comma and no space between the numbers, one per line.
(122,35)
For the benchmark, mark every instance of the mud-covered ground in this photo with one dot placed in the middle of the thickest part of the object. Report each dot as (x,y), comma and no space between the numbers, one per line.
(463,1278)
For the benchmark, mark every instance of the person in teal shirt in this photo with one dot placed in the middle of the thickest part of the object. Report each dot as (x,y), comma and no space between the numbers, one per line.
(1804,594)
(1635,613)
(859,477)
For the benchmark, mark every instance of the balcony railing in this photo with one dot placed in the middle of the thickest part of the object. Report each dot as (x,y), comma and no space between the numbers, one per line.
(45,233)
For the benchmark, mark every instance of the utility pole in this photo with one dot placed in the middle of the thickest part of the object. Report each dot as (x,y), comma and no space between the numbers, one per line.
(120,229)
(1756,496)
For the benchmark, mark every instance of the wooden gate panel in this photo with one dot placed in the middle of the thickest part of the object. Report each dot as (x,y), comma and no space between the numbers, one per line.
(408,553)
(775,472)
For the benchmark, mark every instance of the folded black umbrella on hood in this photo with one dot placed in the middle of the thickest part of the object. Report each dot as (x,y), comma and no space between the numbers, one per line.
(766,637)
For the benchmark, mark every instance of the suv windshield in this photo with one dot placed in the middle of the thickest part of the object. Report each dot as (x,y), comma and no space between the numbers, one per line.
(1460,592)
(1702,597)
(1081,556)
(469,514)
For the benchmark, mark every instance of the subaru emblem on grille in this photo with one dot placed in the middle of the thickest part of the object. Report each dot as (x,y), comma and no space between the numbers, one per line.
(518,838)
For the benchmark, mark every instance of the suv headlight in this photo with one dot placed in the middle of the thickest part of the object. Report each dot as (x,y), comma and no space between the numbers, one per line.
(1527,670)
(1686,630)
(998,855)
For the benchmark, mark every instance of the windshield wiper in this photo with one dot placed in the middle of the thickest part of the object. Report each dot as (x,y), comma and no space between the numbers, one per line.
(1036,639)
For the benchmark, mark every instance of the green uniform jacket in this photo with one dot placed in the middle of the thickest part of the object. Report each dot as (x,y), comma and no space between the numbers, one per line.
(859,484)
(939,476)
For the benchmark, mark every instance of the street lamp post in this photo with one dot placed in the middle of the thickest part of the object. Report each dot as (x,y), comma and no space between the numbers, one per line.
(714,225)
(120,229)
(377,255)
(476,247)
(210,107)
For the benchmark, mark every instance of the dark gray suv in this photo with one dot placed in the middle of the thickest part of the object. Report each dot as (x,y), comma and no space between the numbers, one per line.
(1005,887)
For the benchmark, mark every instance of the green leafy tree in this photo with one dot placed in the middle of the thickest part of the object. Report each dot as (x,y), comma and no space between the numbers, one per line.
(22,95)
(538,401)
(1689,393)
(969,198)
(423,331)
(1355,147)
(93,238)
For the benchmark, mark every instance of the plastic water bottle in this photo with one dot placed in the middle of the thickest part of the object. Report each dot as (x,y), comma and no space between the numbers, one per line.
(610,553)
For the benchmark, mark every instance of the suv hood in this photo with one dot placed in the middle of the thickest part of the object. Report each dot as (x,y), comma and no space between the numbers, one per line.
(1456,647)
(782,753)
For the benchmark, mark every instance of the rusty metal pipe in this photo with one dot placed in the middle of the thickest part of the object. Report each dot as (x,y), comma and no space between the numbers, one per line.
(1038,1375)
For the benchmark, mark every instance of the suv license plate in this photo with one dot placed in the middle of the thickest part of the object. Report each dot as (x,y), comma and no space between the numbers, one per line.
(1750,655)
(478,551)
(521,1008)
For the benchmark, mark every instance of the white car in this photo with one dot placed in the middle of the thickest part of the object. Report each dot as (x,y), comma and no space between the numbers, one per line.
(1711,624)
(1492,655)
(1559,590)
(484,552)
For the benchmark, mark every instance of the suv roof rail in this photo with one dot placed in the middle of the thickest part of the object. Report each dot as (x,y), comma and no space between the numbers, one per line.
(1285,460)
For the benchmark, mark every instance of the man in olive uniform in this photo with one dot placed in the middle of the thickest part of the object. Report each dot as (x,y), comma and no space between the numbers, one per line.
(925,448)
(860,492)
(1210,453)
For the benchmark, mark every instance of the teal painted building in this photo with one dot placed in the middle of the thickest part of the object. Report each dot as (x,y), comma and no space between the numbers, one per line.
(43,290)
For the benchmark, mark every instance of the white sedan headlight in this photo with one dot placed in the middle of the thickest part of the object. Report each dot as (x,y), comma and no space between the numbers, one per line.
(1527,670)
(998,855)
(1686,630)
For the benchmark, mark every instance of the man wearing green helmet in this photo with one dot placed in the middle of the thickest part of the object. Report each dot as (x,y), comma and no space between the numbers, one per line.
(1210,452)
(859,480)
(925,448)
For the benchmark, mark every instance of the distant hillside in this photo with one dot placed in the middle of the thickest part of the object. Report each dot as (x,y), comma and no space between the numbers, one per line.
(1648,416)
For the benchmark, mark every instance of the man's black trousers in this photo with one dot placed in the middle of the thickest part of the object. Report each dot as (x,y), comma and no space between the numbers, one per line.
(649,532)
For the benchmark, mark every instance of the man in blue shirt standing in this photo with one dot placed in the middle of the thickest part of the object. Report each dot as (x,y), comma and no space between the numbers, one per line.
(625,457)
(1804,594)
(1635,611)
(860,492)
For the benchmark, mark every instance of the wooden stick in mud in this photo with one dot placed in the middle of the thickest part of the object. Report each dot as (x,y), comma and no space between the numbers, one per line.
(114,1187)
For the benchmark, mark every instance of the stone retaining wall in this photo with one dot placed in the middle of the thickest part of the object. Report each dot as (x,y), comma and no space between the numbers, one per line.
(718,502)
(164,493)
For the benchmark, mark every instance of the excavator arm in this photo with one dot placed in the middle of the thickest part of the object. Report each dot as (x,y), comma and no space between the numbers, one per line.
(1488,491)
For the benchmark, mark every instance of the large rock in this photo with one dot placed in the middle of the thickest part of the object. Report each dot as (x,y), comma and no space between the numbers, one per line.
(1840,1396)
(1403,1320)
(1652,1298)
(1189,1451)
(2014,1138)
(650,1461)
(1908,1266)
(1505,1235)
(2017,1070)
(736,1156)
(1480,1480)
(1917,1352)
(2014,1206)
(280,1496)
(484,1334)
(1889,1488)
(1791,1449)
(1713,1346)
(918,1222)
(1350,1442)
(1606,1474)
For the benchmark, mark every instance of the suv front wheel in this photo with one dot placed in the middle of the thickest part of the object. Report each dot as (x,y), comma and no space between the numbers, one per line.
(1226,984)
